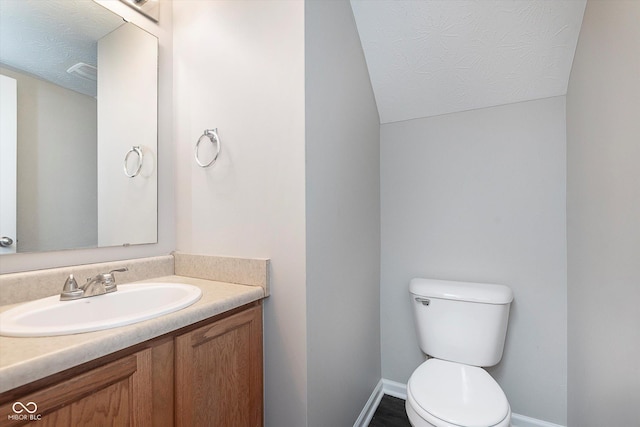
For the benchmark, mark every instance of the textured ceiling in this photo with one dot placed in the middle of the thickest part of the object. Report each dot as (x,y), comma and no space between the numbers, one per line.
(45,38)
(432,57)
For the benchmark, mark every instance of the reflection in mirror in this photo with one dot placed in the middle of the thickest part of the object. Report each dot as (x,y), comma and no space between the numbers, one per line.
(85,94)
(149,8)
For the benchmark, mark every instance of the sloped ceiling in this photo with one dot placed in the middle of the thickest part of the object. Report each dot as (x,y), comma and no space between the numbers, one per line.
(45,38)
(432,57)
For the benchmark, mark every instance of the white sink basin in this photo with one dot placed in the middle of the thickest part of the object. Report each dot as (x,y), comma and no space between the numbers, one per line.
(129,304)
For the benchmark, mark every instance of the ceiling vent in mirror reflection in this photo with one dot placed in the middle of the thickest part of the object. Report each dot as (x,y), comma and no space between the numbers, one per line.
(83,70)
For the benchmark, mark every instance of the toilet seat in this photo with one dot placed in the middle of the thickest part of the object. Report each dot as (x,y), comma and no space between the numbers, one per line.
(451,394)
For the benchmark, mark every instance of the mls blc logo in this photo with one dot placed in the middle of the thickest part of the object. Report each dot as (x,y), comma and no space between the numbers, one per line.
(20,407)
(22,411)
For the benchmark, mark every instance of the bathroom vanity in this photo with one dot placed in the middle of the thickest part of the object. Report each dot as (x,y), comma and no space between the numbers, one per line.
(201,365)
(209,373)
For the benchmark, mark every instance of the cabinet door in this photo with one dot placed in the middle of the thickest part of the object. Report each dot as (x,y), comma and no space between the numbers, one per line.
(116,394)
(219,373)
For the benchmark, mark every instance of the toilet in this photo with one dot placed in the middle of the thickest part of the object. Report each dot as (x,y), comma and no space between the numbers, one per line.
(461,326)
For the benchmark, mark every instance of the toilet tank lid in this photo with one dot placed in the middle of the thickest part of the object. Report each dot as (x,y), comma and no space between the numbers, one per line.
(462,291)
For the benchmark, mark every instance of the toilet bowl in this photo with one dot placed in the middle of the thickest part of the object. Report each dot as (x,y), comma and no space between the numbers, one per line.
(449,394)
(462,326)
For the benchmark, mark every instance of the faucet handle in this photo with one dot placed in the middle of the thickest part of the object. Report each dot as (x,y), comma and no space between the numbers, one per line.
(70,284)
(109,279)
(70,289)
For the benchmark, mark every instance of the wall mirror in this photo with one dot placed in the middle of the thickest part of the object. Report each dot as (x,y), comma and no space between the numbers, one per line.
(78,127)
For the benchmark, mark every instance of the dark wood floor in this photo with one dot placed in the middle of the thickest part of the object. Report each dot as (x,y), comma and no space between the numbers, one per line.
(390,413)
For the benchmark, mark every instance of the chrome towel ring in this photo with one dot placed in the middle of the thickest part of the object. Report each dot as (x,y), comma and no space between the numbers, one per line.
(135,149)
(212,135)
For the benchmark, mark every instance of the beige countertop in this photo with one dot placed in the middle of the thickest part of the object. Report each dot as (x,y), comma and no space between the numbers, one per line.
(23,360)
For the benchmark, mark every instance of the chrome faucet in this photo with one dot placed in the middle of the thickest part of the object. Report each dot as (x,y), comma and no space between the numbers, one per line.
(99,284)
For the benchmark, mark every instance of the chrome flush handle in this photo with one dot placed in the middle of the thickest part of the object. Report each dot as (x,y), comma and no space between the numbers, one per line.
(424,301)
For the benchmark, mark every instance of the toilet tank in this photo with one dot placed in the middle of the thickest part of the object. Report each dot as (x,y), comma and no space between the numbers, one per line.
(461,321)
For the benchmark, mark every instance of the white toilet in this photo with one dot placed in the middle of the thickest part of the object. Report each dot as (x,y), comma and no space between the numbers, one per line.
(462,326)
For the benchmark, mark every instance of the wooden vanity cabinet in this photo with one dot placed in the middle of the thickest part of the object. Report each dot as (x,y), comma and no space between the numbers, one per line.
(118,393)
(208,374)
(219,373)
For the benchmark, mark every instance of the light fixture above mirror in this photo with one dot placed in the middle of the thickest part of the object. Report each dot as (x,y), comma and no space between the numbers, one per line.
(149,8)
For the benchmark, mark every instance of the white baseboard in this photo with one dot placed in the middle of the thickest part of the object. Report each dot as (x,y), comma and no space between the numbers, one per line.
(399,390)
(518,420)
(394,389)
(370,407)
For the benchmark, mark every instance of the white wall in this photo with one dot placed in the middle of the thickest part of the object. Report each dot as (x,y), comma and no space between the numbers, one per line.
(480,196)
(166,178)
(342,218)
(56,145)
(127,117)
(603,208)
(239,67)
